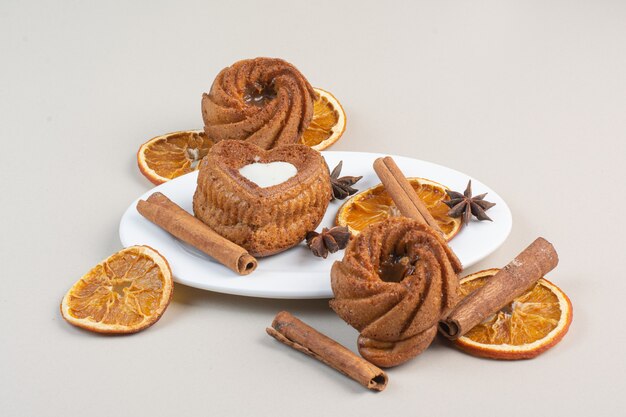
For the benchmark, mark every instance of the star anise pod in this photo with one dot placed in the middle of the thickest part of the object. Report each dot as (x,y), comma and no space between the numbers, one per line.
(465,205)
(342,187)
(328,241)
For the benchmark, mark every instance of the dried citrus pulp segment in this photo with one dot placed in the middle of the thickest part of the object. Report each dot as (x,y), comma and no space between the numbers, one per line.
(374,205)
(125,293)
(171,155)
(328,123)
(530,325)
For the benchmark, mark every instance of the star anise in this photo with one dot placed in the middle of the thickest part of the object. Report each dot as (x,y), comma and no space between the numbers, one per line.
(465,205)
(342,187)
(328,241)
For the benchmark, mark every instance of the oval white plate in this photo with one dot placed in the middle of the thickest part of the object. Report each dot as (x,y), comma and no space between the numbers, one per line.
(296,273)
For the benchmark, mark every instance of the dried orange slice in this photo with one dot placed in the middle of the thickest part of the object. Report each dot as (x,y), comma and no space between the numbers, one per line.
(125,293)
(171,155)
(328,123)
(530,325)
(374,205)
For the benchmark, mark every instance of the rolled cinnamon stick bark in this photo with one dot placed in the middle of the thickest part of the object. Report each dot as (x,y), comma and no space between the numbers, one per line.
(163,212)
(298,335)
(509,283)
(402,193)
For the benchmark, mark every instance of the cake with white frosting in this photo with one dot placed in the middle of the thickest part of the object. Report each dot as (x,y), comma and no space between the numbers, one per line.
(264,201)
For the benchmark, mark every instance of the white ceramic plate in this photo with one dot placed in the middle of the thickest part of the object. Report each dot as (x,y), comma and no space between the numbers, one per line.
(296,273)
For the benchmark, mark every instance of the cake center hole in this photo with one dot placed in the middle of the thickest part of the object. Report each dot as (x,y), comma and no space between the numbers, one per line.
(396,267)
(258,94)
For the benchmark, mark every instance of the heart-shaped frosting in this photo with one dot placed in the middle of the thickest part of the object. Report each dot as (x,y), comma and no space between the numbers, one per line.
(269,174)
(264,218)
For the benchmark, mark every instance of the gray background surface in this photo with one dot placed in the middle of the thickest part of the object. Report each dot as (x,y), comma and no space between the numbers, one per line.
(529,97)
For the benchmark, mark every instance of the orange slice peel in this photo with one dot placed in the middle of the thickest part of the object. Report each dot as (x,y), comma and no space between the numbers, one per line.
(328,123)
(374,204)
(168,156)
(531,324)
(125,293)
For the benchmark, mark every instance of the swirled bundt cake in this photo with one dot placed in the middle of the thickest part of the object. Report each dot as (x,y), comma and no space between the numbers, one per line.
(397,279)
(264,201)
(265,101)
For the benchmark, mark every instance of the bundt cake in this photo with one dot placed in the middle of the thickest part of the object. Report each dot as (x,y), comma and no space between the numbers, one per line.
(397,279)
(264,101)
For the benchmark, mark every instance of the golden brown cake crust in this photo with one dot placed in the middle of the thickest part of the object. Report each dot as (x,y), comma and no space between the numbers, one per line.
(267,220)
(265,101)
(396,320)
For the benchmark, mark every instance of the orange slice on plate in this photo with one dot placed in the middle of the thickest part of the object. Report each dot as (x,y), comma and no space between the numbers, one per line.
(125,293)
(375,204)
(171,155)
(527,327)
(328,123)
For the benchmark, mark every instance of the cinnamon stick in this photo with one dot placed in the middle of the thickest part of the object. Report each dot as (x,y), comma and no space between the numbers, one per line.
(298,335)
(163,212)
(509,283)
(402,193)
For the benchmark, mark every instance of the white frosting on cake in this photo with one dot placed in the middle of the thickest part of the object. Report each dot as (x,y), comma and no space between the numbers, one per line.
(270,174)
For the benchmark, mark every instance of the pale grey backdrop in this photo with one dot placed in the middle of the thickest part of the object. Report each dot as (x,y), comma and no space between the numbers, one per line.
(528,96)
